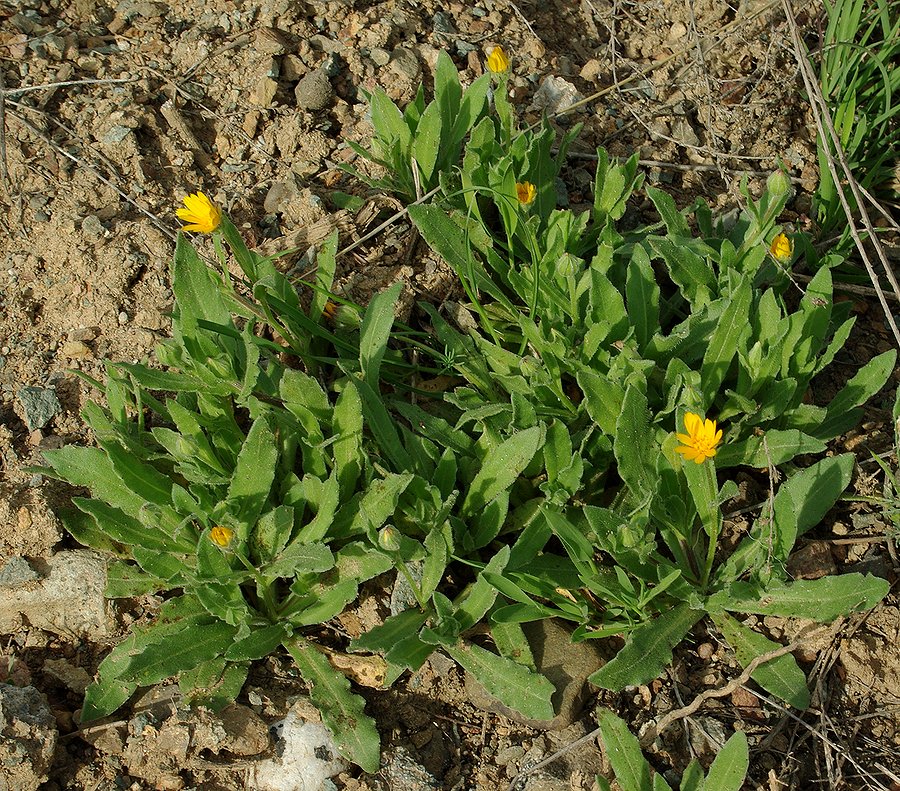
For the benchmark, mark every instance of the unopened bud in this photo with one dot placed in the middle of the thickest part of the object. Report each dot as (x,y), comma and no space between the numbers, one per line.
(778,184)
(389,539)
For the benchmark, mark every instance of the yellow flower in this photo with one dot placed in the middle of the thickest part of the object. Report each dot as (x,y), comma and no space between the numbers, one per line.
(201,213)
(701,439)
(782,248)
(525,192)
(221,536)
(497,61)
(330,310)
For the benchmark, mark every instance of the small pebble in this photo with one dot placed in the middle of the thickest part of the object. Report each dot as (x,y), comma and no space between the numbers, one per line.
(123,317)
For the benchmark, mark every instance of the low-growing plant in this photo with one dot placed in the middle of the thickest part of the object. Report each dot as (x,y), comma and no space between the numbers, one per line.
(612,341)
(416,146)
(633,773)
(256,498)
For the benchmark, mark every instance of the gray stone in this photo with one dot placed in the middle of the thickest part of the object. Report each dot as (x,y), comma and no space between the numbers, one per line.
(401,770)
(39,405)
(555,95)
(68,601)
(314,91)
(566,664)
(17,571)
(405,64)
(27,738)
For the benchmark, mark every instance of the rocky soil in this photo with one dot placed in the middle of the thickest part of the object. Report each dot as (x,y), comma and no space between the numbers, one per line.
(113,112)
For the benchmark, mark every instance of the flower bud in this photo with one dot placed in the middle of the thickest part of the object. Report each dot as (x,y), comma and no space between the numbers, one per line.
(778,184)
(389,539)
(782,248)
(221,536)
(497,61)
(567,265)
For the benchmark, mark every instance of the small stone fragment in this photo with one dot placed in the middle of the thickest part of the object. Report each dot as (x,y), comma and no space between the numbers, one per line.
(27,738)
(555,95)
(263,93)
(39,405)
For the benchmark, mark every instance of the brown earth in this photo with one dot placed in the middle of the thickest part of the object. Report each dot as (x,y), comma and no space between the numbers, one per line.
(114,112)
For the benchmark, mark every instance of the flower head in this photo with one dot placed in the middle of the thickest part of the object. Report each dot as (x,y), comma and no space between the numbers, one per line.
(781,248)
(701,439)
(221,536)
(497,61)
(330,311)
(525,192)
(200,213)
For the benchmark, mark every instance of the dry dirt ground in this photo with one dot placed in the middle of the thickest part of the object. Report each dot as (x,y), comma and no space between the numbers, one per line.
(114,111)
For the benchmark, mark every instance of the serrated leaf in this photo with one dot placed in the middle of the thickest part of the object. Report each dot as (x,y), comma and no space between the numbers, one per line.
(624,753)
(729,769)
(512,684)
(821,600)
(184,649)
(253,475)
(774,447)
(781,676)
(648,650)
(633,445)
(502,465)
(342,711)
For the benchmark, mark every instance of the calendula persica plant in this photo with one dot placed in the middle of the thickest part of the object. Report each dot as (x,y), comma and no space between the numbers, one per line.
(255,497)
(607,382)
(655,360)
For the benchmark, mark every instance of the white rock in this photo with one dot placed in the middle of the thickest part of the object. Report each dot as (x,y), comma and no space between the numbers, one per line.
(307,762)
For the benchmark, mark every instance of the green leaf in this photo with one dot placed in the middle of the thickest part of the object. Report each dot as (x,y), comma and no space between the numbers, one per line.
(111,690)
(375,332)
(501,467)
(804,499)
(125,580)
(272,532)
(820,600)
(729,769)
(426,142)
(512,684)
(648,650)
(253,475)
(120,527)
(773,447)
(723,344)
(258,644)
(781,676)
(375,507)
(642,294)
(93,469)
(394,629)
(342,711)
(347,426)
(186,648)
(214,683)
(867,381)
(299,558)
(624,753)
(634,447)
